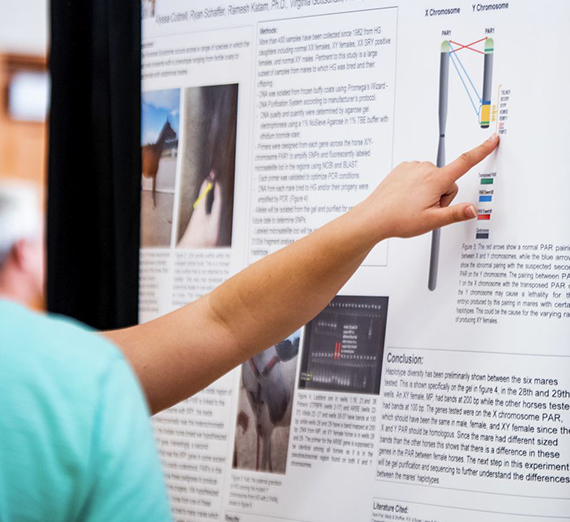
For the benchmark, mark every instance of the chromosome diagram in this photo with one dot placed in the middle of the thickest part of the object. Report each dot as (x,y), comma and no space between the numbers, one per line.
(479,100)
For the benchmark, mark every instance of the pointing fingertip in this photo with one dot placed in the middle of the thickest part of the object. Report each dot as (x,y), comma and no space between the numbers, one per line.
(471,212)
(494,137)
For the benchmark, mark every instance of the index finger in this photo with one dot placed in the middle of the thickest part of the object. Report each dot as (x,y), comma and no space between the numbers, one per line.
(468,160)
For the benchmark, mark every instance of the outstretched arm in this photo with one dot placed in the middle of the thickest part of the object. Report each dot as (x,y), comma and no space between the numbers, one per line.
(182,352)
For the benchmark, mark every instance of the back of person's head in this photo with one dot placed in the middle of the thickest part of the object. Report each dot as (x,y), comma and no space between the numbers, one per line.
(21,241)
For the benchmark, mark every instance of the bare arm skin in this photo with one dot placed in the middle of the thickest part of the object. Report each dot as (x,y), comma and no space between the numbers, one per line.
(182,352)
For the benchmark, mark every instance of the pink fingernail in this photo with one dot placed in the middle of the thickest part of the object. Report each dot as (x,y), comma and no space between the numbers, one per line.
(493,137)
(471,211)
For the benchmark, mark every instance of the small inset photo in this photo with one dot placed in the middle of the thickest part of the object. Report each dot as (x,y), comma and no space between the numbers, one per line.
(147,9)
(264,408)
(343,346)
(159,129)
(207,180)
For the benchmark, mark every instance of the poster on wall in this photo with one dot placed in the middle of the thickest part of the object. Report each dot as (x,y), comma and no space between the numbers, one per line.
(435,387)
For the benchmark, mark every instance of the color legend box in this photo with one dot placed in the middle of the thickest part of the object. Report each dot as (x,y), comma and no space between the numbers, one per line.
(486,196)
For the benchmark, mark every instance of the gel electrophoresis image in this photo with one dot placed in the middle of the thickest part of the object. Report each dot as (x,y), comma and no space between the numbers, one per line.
(344,345)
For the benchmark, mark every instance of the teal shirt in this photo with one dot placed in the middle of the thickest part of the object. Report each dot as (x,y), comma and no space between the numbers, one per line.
(76,442)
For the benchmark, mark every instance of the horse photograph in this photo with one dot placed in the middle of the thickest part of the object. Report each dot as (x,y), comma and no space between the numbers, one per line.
(264,408)
(159,138)
(207,177)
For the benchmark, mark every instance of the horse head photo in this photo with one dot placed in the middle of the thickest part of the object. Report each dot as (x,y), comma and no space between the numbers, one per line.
(151,154)
(160,136)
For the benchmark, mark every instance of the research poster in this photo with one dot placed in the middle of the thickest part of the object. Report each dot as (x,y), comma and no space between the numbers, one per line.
(435,387)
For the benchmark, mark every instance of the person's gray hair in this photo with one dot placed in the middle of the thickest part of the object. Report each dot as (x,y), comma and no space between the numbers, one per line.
(20,216)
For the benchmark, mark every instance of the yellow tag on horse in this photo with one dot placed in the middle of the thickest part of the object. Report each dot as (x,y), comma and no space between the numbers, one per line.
(203,195)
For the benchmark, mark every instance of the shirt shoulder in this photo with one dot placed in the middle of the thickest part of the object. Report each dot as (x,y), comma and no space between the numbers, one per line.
(71,410)
(26,335)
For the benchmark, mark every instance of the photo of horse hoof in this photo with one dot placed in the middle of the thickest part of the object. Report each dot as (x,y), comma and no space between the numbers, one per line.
(207,170)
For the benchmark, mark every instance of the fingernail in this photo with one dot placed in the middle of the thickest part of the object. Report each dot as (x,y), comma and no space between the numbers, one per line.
(471,212)
(493,137)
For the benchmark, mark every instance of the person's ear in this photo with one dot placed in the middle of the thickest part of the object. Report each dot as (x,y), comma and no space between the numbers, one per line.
(22,254)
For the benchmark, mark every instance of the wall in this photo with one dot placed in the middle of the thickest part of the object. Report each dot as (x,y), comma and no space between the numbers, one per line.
(23,26)
(23,45)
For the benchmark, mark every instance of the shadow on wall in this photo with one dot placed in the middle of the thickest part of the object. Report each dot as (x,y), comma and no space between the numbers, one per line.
(208,159)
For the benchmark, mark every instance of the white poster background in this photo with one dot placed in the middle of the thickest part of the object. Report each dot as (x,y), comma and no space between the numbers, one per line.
(529,207)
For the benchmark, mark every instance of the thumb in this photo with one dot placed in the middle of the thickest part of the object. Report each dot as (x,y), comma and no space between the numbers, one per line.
(455,214)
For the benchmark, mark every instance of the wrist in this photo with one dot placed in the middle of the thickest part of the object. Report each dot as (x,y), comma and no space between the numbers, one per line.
(367,224)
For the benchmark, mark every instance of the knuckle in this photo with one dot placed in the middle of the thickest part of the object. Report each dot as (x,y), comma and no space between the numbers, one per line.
(457,214)
(466,158)
(440,221)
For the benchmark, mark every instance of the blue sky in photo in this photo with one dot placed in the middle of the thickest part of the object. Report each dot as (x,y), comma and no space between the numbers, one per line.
(157,107)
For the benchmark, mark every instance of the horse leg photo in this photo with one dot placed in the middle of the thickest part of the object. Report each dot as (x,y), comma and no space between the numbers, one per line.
(257,448)
(243,423)
(266,451)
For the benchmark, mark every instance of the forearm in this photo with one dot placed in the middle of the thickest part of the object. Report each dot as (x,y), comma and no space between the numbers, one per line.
(181,353)
(276,296)
(178,354)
